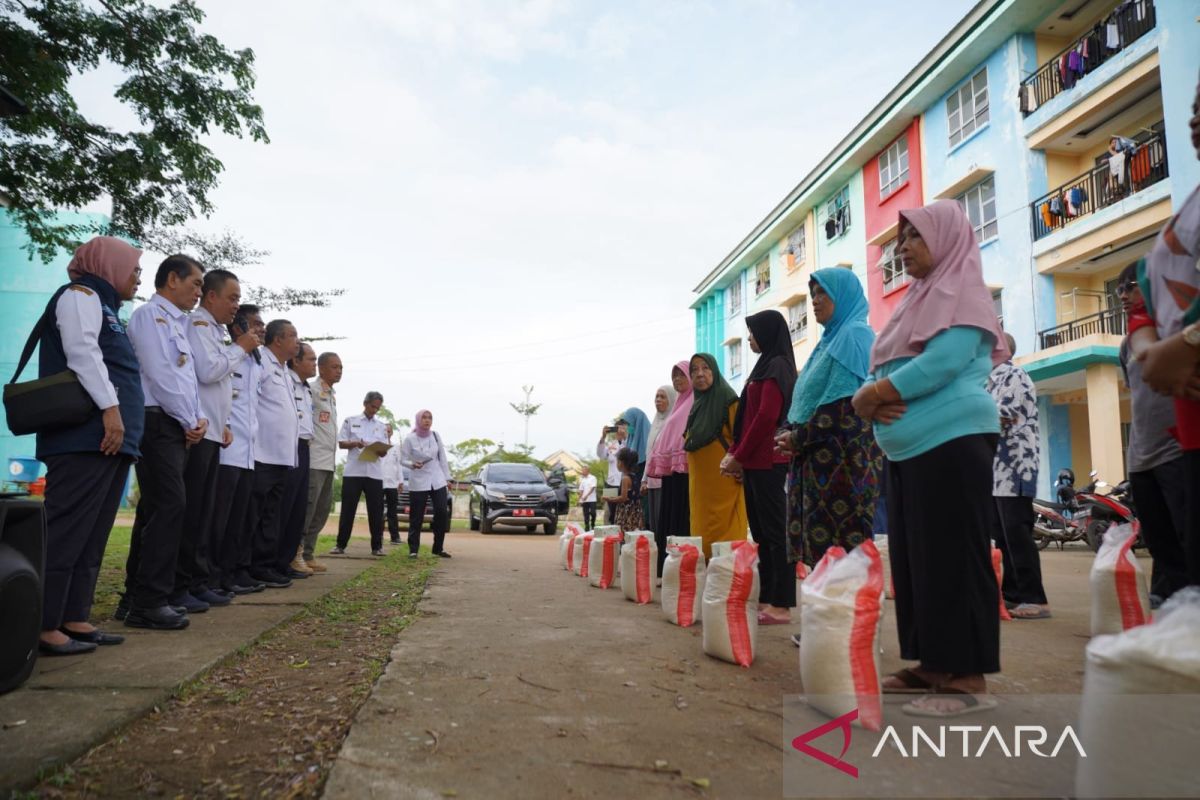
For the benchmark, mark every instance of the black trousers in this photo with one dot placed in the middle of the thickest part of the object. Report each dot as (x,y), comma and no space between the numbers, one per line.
(294,510)
(200,480)
(391,502)
(610,509)
(674,513)
(416,518)
(589,515)
(940,520)
(232,520)
(766,509)
(270,481)
(1160,496)
(83,493)
(352,489)
(1191,535)
(1014,539)
(161,509)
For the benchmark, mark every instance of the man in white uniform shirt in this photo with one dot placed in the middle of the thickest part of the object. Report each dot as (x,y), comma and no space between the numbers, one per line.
(393,484)
(301,369)
(215,359)
(608,449)
(233,517)
(173,423)
(322,455)
(587,497)
(275,451)
(362,477)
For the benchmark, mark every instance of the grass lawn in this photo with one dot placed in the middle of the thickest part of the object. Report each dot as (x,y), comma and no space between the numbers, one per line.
(112,570)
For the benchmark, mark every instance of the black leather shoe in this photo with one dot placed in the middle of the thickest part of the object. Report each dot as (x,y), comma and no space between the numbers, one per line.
(212,598)
(249,588)
(69,648)
(163,618)
(296,575)
(443,554)
(271,579)
(189,604)
(122,608)
(97,636)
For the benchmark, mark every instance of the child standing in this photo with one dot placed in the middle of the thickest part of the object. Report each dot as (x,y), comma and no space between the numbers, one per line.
(627,506)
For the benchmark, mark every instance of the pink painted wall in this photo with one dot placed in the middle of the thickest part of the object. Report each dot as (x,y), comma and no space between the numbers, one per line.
(879,215)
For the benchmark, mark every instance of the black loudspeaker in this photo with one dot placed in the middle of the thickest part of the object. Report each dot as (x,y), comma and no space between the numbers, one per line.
(22,567)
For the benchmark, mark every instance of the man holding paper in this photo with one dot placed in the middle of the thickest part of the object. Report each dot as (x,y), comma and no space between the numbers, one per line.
(366,437)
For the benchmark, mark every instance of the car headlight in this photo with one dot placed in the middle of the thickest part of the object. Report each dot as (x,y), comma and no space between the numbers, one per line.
(495,495)
(548,496)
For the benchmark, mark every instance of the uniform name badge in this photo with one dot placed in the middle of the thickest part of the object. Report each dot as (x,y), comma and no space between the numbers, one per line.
(182,359)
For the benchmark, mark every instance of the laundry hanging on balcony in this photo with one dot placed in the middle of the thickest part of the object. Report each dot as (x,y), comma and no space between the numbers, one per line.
(1075,200)
(1116,166)
(1027,98)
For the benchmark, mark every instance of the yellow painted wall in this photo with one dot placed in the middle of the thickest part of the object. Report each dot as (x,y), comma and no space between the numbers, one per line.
(1049,46)
(795,281)
(1104,422)
(1081,450)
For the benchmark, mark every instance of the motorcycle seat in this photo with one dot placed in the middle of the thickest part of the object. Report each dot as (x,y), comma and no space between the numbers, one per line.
(1052,505)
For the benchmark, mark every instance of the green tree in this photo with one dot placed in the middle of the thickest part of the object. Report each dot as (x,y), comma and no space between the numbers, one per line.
(526,409)
(397,423)
(180,83)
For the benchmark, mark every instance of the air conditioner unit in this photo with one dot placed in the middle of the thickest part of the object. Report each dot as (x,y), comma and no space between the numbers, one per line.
(22,568)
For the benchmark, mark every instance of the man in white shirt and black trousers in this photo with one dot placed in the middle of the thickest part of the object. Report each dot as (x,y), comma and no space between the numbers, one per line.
(275,451)
(215,359)
(173,423)
(301,370)
(233,517)
(362,477)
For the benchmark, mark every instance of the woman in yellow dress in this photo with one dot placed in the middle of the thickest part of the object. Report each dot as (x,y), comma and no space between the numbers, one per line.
(717,503)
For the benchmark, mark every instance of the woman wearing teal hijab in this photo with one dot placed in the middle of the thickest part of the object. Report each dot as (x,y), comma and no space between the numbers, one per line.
(833,479)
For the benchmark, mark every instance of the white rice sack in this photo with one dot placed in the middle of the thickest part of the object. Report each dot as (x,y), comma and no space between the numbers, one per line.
(570,532)
(583,545)
(683,583)
(574,552)
(1137,720)
(1120,596)
(698,541)
(840,616)
(639,567)
(730,605)
(603,557)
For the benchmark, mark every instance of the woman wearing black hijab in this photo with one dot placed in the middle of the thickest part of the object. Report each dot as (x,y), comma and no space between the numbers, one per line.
(762,409)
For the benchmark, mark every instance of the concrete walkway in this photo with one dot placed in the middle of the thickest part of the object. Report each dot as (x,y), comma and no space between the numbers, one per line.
(70,705)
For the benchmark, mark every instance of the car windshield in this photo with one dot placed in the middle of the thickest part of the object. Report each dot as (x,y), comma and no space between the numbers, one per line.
(514,473)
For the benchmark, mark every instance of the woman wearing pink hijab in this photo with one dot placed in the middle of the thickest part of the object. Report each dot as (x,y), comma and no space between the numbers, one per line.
(668,463)
(87,464)
(428,476)
(939,428)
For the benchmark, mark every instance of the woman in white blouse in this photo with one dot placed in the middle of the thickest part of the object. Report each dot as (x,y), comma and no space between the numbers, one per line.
(429,473)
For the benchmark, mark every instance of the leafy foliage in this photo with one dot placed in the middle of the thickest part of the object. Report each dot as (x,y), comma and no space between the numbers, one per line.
(180,83)
(467,457)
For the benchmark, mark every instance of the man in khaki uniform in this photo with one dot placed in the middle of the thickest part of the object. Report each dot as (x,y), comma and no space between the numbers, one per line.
(322,455)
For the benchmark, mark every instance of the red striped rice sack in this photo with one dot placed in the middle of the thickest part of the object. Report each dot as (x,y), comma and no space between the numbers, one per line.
(564,543)
(730,604)
(683,584)
(639,567)
(1120,598)
(603,558)
(841,614)
(583,544)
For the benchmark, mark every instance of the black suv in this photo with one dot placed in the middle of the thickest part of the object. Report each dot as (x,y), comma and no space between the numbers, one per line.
(512,494)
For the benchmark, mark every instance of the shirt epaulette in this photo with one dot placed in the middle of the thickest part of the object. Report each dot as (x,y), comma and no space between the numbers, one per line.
(160,320)
(200,322)
(75,287)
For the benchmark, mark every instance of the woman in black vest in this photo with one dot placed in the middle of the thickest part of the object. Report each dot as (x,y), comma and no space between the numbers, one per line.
(87,464)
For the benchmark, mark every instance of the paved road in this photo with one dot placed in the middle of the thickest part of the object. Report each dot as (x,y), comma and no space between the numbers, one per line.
(518,672)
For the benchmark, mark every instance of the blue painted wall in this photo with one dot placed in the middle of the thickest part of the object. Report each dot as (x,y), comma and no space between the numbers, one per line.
(1179,66)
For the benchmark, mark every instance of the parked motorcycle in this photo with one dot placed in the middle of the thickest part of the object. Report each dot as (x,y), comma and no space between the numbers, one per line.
(1060,521)
(1104,510)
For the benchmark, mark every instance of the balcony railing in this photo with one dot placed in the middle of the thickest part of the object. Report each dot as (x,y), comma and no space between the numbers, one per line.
(1111,320)
(1124,26)
(1100,187)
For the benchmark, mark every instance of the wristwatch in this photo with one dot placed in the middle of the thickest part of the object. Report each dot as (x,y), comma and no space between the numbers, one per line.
(1191,334)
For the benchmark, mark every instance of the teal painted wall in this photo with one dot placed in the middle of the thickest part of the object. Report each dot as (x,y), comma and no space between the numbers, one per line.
(851,246)
(25,287)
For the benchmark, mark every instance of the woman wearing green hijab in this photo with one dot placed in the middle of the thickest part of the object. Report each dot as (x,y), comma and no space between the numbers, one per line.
(717,504)
(833,479)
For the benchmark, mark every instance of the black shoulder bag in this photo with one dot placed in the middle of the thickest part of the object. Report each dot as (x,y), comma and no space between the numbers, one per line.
(46,404)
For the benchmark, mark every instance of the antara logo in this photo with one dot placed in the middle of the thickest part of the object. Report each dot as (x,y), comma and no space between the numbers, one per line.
(1032,737)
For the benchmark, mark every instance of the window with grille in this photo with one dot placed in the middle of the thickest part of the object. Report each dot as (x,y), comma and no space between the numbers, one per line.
(893,167)
(762,276)
(735,297)
(980,204)
(734,353)
(967,107)
(798,320)
(796,245)
(890,265)
(837,214)
(998,303)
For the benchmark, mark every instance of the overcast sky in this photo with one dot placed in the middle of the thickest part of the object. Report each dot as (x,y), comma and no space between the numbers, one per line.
(526,192)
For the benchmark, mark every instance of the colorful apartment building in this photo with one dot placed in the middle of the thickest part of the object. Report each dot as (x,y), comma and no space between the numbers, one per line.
(1062,128)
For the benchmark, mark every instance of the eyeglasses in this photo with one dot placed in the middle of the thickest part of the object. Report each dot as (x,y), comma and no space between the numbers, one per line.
(1126,288)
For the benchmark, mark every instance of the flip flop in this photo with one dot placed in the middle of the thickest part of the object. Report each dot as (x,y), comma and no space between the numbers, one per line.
(913,683)
(1042,613)
(766,619)
(972,703)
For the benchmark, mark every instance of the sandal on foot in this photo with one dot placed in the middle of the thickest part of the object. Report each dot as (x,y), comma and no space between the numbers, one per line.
(1029,611)
(766,619)
(913,683)
(972,703)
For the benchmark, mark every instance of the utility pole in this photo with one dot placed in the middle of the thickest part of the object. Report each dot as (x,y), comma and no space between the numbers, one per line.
(527,410)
